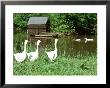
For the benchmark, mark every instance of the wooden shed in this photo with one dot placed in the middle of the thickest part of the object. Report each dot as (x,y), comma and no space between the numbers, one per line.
(37,26)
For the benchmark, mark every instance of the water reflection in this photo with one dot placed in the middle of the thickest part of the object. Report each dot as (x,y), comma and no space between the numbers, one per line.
(68,47)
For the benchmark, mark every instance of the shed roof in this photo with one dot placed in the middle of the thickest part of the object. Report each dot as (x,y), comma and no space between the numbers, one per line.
(37,20)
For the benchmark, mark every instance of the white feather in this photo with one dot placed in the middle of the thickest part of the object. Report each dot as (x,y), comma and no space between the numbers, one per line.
(78,40)
(21,56)
(86,40)
(53,54)
(33,55)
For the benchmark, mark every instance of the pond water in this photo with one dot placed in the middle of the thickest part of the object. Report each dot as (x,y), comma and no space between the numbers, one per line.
(66,45)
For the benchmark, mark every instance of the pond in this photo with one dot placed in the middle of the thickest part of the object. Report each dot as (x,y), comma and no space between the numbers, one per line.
(68,46)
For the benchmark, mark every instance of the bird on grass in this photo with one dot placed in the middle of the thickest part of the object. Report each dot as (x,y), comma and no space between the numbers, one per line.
(53,54)
(21,56)
(33,55)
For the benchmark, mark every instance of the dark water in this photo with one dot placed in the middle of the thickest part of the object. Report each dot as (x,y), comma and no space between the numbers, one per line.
(66,45)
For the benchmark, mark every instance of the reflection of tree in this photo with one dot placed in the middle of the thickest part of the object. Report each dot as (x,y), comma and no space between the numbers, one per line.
(70,47)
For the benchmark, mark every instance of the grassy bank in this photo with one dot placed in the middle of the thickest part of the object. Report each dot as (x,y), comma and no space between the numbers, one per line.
(78,65)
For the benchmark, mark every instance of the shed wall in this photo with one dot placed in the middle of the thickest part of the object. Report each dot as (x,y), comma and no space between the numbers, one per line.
(36,29)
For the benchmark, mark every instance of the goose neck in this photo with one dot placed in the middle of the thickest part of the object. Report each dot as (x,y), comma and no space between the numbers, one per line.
(24,47)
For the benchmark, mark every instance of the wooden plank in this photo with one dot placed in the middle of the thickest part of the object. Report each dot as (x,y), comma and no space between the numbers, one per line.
(43,35)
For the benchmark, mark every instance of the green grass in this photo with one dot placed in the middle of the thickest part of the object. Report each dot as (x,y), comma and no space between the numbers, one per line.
(79,65)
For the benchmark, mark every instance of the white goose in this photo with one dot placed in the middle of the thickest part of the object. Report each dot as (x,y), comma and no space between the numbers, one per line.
(21,56)
(86,40)
(53,54)
(33,55)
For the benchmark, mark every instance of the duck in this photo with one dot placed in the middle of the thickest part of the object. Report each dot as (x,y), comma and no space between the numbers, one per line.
(86,40)
(53,54)
(33,55)
(20,57)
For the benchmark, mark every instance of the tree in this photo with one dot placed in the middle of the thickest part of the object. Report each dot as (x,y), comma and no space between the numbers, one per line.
(78,23)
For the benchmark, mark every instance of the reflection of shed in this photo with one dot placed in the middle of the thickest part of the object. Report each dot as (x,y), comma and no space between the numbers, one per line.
(37,25)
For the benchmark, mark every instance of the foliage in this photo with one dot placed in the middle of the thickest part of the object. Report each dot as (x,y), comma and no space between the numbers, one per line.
(82,23)
(78,23)
(81,65)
